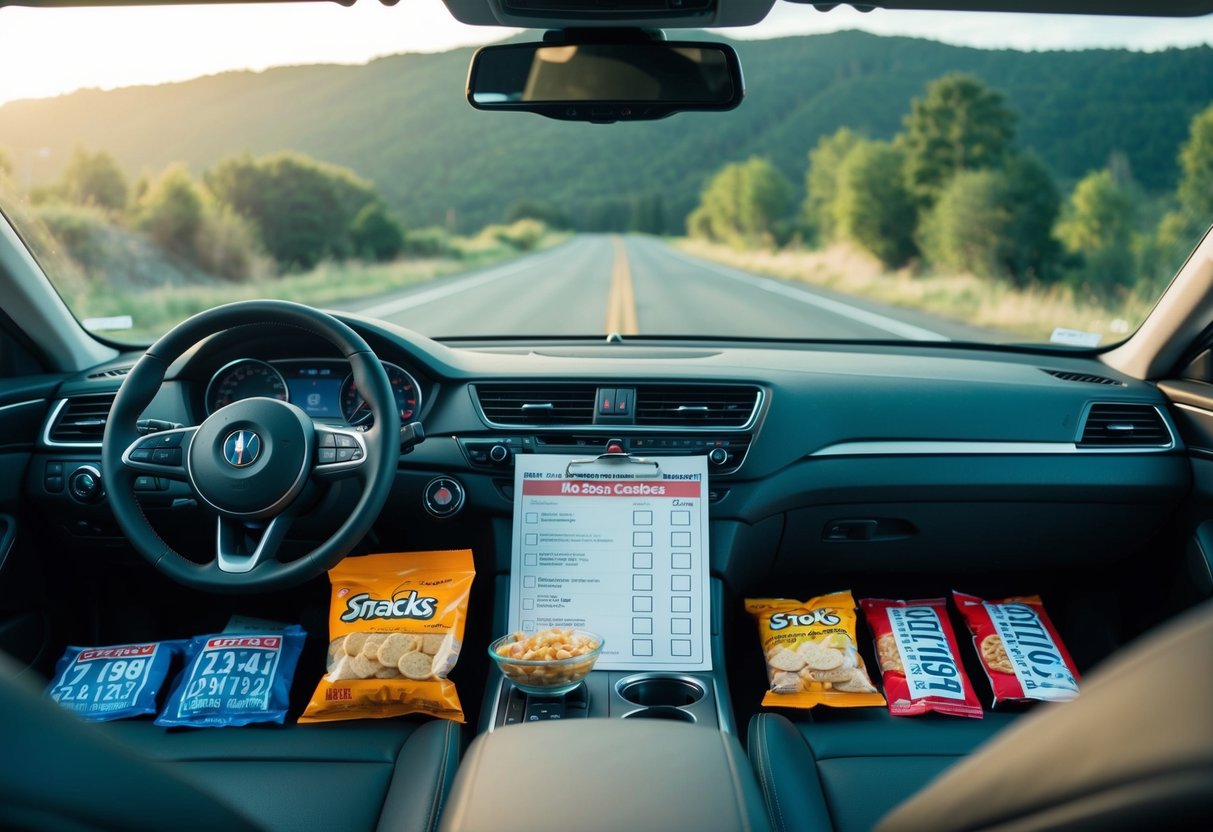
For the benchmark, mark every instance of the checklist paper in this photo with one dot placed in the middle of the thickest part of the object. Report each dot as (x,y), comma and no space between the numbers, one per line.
(617,546)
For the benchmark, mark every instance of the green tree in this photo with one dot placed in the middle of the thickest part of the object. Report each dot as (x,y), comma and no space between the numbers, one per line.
(1097,227)
(960,124)
(744,201)
(94,179)
(872,207)
(376,233)
(821,180)
(171,211)
(302,209)
(995,223)
(1196,164)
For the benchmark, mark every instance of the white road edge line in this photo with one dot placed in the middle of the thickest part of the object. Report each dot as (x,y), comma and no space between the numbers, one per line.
(391,307)
(872,319)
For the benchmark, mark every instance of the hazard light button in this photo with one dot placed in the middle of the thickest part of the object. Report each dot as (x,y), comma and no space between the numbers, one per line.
(443,497)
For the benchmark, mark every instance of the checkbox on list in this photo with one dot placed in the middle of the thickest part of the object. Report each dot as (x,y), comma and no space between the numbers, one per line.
(680,539)
(680,560)
(680,626)
(528,581)
(680,583)
(642,560)
(528,603)
(642,647)
(532,517)
(680,518)
(642,626)
(680,647)
(531,540)
(642,518)
(530,559)
(681,603)
(642,603)
(642,538)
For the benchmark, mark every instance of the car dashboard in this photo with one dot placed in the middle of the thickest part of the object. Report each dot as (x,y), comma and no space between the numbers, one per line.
(821,457)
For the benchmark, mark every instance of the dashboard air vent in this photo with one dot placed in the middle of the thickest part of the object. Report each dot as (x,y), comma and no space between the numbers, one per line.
(1124,426)
(81,419)
(1084,378)
(117,372)
(689,405)
(557,404)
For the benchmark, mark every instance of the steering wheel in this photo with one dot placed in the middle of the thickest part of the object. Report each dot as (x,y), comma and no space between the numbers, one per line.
(251,460)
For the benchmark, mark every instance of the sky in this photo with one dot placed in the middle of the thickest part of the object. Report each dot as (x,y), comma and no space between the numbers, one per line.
(47,52)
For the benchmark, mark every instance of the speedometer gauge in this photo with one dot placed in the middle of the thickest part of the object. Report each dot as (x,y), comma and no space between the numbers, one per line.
(245,378)
(404,388)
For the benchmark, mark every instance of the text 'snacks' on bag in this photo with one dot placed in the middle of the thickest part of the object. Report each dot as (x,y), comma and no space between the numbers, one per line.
(396,628)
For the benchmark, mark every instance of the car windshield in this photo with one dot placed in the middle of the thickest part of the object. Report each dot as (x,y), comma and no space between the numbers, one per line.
(888,176)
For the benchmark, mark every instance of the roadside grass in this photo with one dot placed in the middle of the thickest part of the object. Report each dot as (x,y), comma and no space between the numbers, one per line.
(155,310)
(1029,314)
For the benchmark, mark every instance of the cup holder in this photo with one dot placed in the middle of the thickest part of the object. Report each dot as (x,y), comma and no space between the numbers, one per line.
(661,712)
(661,692)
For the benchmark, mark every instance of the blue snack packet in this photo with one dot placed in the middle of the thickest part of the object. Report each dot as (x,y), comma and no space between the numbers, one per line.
(235,679)
(117,682)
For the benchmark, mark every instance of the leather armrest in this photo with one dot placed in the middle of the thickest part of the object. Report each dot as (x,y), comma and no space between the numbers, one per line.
(599,775)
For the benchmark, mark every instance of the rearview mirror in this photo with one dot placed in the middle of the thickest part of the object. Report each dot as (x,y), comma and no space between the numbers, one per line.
(606,82)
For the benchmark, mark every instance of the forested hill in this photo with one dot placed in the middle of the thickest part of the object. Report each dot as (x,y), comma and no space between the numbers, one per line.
(403,123)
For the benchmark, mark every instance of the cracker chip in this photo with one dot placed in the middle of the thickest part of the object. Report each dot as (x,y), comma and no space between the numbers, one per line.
(362,667)
(354,643)
(431,643)
(370,647)
(416,665)
(785,659)
(396,645)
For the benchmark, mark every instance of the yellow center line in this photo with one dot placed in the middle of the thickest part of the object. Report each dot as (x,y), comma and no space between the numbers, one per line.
(621,300)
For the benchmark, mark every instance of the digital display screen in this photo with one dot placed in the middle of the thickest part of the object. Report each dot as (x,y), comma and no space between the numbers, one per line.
(316,391)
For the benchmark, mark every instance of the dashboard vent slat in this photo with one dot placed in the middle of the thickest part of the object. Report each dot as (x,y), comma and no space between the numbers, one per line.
(117,372)
(1124,426)
(82,419)
(1084,378)
(692,405)
(537,404)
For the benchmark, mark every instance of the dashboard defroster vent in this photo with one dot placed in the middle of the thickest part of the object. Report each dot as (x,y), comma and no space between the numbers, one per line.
(1084,378)
(1124,426)
(80,420)
(556,404)
(696,405)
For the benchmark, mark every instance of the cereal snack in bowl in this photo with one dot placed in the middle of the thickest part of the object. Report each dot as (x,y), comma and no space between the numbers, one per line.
(550,662)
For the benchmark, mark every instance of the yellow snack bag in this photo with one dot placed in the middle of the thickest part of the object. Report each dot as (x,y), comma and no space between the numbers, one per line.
(396,627)
(810,652)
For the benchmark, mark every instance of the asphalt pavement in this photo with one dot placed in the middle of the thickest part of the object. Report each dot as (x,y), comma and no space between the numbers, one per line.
(595,284)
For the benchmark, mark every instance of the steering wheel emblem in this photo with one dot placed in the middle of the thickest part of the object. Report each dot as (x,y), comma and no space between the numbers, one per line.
(241,448)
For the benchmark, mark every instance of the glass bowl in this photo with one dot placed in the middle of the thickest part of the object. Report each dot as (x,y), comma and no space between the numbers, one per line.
(546,677)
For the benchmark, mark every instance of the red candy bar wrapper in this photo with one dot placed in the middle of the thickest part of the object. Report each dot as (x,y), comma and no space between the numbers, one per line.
(919,658)
(1019,649)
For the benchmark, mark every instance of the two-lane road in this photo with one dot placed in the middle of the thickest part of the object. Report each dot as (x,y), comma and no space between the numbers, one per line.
(597,284)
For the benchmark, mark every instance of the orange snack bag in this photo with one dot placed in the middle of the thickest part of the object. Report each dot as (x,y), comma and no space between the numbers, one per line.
(810,652)
(395,629)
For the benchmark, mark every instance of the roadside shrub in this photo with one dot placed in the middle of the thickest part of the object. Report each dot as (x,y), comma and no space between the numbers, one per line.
(376,233)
